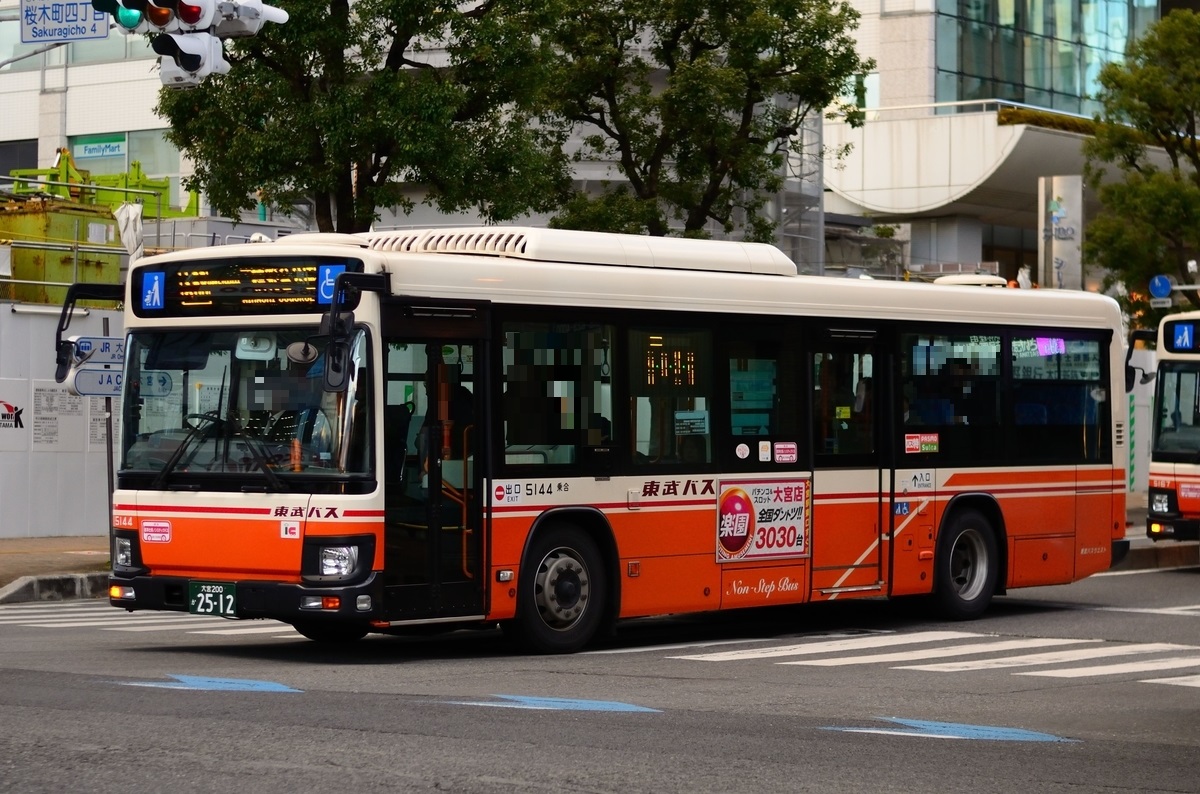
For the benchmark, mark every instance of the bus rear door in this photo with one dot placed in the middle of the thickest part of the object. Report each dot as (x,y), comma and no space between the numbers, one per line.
(850,487)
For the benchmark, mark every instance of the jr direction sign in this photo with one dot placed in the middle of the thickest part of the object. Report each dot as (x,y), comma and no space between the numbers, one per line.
(49,21)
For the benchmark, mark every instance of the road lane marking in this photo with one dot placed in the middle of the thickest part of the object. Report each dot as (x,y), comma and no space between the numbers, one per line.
(832,646)
(1050,657)
(1173,663)
(936,653)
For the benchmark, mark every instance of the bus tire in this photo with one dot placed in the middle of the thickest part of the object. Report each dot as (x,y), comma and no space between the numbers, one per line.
(965,567)
(330,633)
(562,592)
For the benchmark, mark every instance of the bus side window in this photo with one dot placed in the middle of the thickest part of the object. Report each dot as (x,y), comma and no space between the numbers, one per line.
(557,402)
(670,383)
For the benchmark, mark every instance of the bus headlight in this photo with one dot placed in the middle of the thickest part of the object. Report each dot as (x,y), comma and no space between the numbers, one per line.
(1160,502)
(338,560)
(123,552)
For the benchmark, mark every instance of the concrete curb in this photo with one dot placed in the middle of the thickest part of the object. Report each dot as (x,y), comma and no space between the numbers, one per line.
(1164,554)
(55,587)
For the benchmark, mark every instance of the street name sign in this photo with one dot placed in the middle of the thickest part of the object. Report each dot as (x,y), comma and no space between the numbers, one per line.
(49,21)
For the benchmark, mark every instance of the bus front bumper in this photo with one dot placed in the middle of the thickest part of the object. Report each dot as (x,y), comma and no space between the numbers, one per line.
(284,601)
(1172,528)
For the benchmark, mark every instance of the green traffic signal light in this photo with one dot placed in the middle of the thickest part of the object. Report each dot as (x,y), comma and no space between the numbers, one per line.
(128,18)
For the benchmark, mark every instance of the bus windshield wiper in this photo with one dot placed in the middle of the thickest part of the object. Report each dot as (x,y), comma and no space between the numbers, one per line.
(200,431)
(255,445)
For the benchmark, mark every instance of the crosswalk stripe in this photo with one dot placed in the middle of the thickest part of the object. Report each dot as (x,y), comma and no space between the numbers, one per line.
(936,653)
(671,647)
(276,629)
(1193,611)
(43,617)
(120,621)
(1173,663)
(12,610)
(1183,680)
(34,606)
(1050,657)
(176,626)
(831,646)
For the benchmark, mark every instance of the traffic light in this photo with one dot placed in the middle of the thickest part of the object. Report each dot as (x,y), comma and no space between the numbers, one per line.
(190,41)
(196,16)
(160,15)
(127,13)
(188,58)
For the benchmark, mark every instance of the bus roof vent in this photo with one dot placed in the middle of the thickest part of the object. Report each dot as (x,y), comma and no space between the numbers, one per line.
(588,248)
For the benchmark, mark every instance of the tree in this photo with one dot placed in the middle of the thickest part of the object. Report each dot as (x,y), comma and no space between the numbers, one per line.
(695,101)
(1146,132)
(378,103)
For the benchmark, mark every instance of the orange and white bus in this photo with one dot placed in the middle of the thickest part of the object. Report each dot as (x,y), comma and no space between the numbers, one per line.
(554,430)
(1173,495)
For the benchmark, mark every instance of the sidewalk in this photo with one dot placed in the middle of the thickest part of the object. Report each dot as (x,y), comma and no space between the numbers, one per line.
(55,569)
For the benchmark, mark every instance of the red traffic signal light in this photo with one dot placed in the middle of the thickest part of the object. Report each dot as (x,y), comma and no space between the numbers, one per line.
(192,14)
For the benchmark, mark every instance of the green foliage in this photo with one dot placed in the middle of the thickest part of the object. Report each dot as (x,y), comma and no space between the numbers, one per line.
(697,102)
(380,104)
(1045,119)
(1145,163)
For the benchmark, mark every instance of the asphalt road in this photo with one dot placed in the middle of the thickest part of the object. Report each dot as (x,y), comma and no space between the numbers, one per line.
(850,697)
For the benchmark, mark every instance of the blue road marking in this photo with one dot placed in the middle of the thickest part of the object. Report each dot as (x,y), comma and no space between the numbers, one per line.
(553,704)
(199,682)
(956,730)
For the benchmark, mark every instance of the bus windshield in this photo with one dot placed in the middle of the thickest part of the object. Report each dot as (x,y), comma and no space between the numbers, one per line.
(1177,433)
(242,407)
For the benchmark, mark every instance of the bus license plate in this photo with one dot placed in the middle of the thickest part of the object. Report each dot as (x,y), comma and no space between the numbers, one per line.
(212,598)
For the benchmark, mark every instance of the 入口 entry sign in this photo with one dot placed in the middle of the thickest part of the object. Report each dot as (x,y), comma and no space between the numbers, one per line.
(48,21)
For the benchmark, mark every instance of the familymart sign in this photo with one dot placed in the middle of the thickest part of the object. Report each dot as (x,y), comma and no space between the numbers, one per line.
(99,146)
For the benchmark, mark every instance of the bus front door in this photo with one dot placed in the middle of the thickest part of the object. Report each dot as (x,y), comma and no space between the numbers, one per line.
(432,441)
(850,487)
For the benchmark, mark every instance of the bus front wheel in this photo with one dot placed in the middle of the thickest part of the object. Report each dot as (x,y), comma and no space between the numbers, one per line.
(966,562)
(561,594)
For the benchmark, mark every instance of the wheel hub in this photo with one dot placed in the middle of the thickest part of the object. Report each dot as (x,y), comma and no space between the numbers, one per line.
(561,589)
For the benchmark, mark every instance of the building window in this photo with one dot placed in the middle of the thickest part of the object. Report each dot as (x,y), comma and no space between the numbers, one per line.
(1040,52)
(114,153)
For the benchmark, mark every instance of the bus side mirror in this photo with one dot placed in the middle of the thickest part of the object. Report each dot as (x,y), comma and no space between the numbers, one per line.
(62,359)
(1137,335)
(337,365)
(1131,378)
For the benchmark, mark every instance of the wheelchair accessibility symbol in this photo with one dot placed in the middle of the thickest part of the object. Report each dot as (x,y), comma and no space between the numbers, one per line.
(326,278)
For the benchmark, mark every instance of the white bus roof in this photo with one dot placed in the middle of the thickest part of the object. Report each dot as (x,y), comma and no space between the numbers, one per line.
(590,248)
(971,280)
(552,267)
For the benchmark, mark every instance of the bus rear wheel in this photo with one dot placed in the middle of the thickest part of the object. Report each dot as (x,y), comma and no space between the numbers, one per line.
(966,566)
(562,592)
(330,633)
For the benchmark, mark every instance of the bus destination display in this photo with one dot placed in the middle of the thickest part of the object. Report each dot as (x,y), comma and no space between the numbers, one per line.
(269,285)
